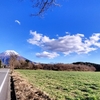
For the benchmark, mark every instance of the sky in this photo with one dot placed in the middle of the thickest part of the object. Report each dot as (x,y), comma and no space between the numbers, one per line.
(64,34)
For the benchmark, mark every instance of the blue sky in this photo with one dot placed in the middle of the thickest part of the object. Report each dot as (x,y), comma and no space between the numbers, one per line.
(64,34)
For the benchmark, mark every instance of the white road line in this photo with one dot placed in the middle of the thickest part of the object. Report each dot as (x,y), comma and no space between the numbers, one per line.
(3,81)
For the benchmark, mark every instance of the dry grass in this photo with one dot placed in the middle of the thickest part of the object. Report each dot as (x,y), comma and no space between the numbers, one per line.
(26,91)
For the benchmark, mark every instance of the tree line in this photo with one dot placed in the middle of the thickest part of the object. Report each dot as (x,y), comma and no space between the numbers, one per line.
(16,63)
(97,66)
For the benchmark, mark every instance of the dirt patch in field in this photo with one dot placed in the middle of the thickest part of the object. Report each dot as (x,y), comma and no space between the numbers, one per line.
(26,91)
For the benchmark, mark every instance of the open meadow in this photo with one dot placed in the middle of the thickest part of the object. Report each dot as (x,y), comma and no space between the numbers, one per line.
(65,85)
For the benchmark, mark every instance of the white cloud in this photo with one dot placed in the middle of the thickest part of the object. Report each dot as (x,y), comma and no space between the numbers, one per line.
(67,44)
(38,39)
(47,55)
(17,21)
(95,39)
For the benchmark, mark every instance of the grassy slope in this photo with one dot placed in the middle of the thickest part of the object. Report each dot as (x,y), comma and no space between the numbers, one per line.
(64,85)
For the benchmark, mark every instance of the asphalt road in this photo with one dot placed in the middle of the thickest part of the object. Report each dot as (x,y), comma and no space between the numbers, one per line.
(4,84)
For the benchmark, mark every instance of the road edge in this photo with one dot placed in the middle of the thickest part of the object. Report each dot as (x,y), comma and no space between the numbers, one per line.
(9,88)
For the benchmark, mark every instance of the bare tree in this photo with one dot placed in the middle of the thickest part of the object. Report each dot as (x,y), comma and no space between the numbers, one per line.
(22,63)
(17,64)
(12,61)
(30,65)
(42,5)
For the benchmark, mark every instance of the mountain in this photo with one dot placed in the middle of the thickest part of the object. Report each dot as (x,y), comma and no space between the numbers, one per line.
(5,56)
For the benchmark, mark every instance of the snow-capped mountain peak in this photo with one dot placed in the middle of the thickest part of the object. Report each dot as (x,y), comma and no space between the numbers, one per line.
(10,52)
(5,56)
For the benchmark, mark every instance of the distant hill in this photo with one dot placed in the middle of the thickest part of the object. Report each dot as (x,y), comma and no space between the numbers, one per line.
(97,66)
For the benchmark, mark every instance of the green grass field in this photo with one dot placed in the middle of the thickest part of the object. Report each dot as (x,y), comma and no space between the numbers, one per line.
(64,85)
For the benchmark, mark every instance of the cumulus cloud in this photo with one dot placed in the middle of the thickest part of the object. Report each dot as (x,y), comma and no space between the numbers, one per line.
(17,21)
(47,55)
(38,39)
(67,44)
